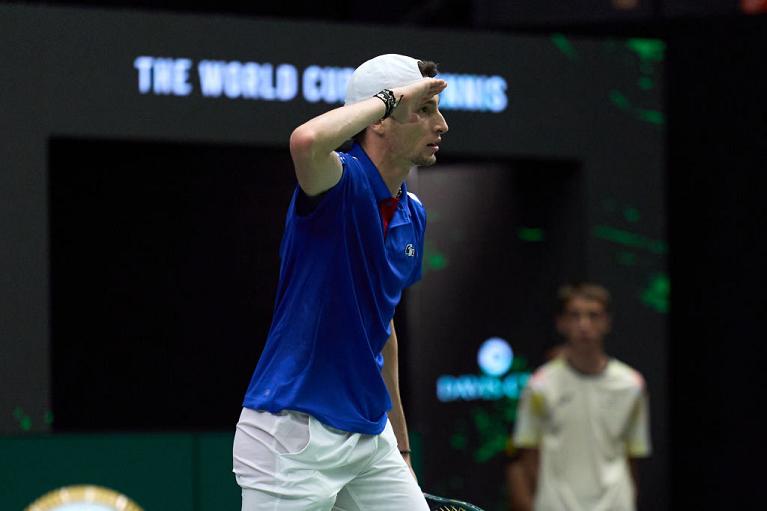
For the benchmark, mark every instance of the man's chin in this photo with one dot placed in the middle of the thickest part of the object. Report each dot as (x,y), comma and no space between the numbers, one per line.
(427,161)
(586,343)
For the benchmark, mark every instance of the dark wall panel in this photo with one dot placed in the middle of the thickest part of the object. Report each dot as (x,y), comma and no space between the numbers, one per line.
(718,128)
(164,265)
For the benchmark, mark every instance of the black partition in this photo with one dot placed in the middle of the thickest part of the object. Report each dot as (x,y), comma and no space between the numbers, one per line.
(164,265)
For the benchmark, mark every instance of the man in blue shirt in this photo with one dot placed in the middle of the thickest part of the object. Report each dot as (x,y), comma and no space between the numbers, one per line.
(322,425)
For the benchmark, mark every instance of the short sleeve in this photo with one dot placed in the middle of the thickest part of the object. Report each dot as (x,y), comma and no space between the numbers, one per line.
(320,208)
(527,430)
(638,431)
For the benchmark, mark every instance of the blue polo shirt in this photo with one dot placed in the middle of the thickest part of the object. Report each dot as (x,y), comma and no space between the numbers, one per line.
(340,280)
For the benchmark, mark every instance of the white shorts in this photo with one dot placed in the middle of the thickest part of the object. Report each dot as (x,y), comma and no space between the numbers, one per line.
(291,461)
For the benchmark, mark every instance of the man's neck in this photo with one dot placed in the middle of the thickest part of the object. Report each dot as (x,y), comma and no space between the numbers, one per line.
(392,172)
(586,361)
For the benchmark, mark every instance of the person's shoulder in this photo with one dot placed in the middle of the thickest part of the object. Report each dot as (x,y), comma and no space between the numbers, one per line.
(547,373)
(622,372)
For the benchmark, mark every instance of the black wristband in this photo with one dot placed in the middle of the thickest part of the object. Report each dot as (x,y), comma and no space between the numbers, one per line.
(389,101)
(404,451)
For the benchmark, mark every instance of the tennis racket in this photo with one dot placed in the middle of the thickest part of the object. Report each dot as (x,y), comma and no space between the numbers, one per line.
(443,504)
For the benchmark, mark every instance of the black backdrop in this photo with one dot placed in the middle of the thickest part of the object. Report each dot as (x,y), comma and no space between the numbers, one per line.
(164,265)
(717,162)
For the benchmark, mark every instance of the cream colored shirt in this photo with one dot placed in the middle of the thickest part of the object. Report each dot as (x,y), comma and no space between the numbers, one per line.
(585,427)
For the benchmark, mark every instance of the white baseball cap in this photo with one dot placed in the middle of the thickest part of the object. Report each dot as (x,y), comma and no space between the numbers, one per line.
(382,72)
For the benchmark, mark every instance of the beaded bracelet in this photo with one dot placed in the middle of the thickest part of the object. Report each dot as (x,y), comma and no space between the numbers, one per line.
(389,101)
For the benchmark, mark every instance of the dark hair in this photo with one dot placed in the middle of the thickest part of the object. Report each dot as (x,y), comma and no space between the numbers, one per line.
(428,69)
(587,290)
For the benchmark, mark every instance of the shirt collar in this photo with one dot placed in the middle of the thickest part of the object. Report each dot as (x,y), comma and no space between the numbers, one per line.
(380,189)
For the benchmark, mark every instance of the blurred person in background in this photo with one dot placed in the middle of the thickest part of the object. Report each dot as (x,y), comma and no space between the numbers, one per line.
(582,421)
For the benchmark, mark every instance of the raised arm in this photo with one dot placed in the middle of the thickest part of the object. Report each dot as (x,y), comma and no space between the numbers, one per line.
(312,144)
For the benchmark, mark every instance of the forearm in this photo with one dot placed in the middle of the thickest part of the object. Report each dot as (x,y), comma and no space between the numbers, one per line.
(326,132)
(634,471)
(520,490)
(391,378)
(399,425)
(530,464)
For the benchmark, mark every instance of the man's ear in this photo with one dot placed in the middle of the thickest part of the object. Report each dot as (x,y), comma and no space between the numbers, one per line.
(377,128)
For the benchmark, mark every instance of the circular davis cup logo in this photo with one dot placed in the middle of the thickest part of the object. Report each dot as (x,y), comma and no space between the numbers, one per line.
(83,498)
(495,356)
(497,381)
